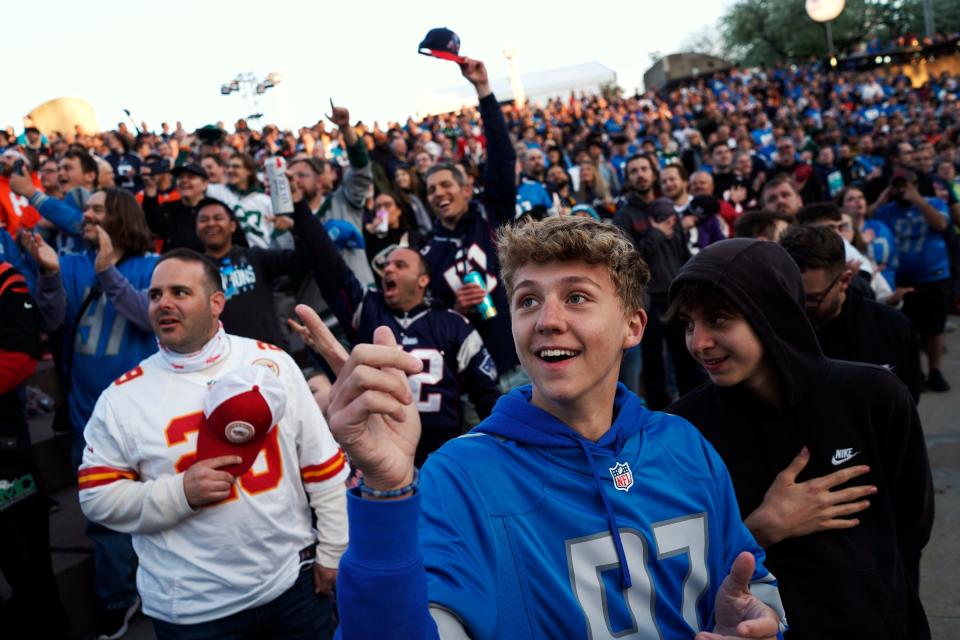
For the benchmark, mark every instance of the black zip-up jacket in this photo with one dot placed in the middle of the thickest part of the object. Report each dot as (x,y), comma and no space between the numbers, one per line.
(868,331)
(842,583)
(664,255)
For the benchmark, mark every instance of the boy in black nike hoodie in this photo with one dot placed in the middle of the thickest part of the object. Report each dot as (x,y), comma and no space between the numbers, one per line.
(808,442)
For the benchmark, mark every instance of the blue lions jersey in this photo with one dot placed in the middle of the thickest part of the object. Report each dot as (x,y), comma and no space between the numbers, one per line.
(883,250)
(922,251)
(532,197)
(107,344)
(517,542)
(470,246)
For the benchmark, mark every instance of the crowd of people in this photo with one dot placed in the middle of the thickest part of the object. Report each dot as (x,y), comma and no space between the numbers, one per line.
(760,229)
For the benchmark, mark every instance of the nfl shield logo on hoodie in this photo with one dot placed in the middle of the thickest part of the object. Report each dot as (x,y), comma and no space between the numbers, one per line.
(622,476)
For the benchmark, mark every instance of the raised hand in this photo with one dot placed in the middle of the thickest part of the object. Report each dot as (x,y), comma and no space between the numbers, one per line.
(107,256)
(737,612)
(42,253)
(476,72)
(791,509)
(204,482)
(372,413)
(339,116)
(21,184)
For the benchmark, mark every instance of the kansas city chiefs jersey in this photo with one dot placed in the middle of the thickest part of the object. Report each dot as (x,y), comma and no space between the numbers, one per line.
(204,564)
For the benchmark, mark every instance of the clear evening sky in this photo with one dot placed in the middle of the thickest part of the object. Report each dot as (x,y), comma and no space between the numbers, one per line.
(166,60)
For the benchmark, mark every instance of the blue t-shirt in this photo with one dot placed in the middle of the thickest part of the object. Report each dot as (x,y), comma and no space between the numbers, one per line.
(923,251)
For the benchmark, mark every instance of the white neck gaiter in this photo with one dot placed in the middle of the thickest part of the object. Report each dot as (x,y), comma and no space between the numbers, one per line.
(216,350)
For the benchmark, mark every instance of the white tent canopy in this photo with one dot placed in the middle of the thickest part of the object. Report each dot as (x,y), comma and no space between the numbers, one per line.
(538,86)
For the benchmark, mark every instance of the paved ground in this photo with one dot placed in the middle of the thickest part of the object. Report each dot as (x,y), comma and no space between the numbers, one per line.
(940,586)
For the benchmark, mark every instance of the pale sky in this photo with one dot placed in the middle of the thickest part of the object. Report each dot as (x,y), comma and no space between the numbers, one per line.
(167,60)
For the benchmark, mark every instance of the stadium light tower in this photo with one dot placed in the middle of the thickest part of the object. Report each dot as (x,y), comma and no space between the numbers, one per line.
(251,88)
(826,11)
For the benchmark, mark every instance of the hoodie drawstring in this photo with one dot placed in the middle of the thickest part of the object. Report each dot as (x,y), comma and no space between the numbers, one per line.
(611,519)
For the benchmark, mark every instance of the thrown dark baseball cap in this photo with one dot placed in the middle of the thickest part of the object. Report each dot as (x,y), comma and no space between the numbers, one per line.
(441,43)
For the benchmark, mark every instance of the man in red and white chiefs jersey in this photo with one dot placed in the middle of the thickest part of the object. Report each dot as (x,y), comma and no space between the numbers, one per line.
(219,556)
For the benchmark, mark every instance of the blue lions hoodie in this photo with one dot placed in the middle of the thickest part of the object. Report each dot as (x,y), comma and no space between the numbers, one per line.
(524,529)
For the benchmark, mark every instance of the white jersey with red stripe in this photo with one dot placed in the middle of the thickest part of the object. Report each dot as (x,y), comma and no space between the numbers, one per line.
(204,564)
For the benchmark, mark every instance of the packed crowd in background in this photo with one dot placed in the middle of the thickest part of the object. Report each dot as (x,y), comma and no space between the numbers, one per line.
(394,224)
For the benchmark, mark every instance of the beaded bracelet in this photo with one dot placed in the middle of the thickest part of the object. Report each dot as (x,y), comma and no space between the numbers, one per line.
(391,493)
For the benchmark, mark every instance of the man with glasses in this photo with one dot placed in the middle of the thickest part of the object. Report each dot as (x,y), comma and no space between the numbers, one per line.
(850,326)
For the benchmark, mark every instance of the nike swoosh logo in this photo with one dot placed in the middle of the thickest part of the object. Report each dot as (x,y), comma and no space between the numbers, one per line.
(838,461)
(27,305)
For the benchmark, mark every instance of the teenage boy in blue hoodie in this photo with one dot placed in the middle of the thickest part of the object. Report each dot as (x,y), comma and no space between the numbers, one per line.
(572,511)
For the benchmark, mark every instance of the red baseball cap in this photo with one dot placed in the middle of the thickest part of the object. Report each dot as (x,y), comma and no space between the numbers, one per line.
(239,411)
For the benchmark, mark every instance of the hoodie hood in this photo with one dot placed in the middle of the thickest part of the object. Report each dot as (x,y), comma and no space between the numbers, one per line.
(515,418)
(765,284)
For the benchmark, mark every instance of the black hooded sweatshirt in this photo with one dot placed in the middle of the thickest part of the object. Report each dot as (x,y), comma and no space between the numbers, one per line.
(849,583)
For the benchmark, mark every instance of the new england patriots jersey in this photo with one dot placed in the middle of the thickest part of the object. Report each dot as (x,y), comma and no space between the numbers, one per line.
(455,359)
(470,246)
(517,542)
(922,251)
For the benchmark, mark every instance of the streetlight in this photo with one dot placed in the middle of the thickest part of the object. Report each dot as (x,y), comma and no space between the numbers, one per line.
(516,82)
(825,11)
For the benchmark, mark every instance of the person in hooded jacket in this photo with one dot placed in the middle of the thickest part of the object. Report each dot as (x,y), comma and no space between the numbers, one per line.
(827,457)
(572,509)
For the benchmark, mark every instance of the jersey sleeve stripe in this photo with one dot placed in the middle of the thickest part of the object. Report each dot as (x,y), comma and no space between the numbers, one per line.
(102,475)
(14,282)
(324,471)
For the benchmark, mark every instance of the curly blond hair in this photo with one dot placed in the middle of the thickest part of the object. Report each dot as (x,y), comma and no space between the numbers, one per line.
(569,239)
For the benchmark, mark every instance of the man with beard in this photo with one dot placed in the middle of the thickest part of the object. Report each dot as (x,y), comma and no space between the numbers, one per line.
(453,353)
(721,161)
(656,232)
(532,196)
(96,297)
(850,326)
(780,195)
(801,173)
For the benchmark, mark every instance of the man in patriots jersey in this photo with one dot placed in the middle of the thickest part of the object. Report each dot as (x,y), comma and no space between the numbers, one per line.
(454,356)
(463,241)
(919,224)
(219,555)
(573,511)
